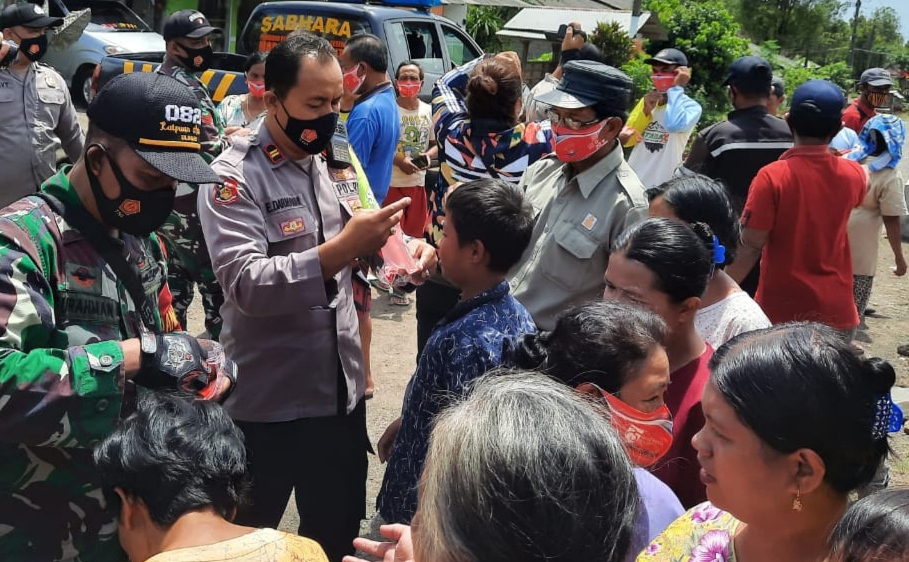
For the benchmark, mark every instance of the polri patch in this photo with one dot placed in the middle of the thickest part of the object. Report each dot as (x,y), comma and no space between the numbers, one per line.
(227,193)
(293,226)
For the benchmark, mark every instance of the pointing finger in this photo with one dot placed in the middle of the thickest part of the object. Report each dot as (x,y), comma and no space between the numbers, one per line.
(397,206)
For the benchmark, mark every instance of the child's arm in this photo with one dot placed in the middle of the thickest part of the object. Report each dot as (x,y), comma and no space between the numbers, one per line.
(892,226)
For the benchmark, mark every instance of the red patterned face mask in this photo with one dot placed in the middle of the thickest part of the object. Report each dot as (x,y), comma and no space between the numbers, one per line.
(877,99)
(647,436)
(662,82)
(352,82)
(574,146)
(409,89)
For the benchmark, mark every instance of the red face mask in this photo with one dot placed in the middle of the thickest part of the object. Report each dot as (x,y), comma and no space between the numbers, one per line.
(409,89)
(352,82)
(256,87)
(662,82)
(574,146)
(647,437)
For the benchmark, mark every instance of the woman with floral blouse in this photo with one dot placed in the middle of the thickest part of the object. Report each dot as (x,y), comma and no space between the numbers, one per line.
(794,422)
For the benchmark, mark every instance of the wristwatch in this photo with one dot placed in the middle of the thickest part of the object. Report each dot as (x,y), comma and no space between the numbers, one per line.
(148,345)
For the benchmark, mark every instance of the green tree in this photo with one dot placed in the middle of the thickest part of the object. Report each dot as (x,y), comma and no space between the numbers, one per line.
(640,72)
(815,30)
(614,43)
(707,33)
(878,40)
(839,73)
(484,21)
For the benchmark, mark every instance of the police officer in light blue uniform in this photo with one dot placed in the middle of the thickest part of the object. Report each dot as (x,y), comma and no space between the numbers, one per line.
(36,110)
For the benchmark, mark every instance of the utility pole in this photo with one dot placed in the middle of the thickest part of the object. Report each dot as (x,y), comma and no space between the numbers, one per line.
(635,17)
(858,7)
(871,44)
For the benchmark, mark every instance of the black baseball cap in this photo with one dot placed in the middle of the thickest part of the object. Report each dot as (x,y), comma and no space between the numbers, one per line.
(819,98)
(750,73)
(876,77)
(669,56)
(27,15)
(159,117)
(187,23)
(779,87)
(585,83)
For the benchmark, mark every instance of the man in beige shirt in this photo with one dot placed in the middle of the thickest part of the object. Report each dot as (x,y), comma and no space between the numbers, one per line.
(583,197)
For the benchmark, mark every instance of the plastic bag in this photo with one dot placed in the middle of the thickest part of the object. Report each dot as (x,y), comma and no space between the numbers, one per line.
(398,264)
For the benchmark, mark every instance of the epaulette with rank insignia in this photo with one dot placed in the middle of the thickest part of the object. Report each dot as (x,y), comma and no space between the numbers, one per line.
(274,154)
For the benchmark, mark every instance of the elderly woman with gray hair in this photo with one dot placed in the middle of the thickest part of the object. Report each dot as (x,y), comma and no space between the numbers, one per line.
(523,469)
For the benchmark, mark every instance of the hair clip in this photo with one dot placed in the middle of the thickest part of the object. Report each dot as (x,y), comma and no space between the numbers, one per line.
(883,409)
(719,251)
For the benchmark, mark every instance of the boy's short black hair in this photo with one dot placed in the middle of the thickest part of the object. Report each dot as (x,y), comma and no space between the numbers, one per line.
(495,213)
(177,455)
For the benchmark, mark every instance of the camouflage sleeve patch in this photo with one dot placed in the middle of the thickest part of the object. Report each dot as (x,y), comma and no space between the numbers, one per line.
(50,394)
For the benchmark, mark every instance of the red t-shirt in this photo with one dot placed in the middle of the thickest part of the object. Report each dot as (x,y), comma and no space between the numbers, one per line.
(857,114)
(679,468)
(803,200)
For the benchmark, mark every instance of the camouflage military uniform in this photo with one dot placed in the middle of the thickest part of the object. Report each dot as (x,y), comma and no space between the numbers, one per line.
(187,254)
(62,385)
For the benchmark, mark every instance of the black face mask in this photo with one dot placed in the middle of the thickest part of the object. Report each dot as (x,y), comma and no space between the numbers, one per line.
(311,135)
(33,48)
(134,211)
(197,60)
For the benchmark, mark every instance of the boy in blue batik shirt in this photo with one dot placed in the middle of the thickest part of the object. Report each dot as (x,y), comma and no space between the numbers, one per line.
(488,225)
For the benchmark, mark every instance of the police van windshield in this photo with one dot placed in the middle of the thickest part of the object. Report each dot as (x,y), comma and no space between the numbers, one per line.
(272,25)
(111,16)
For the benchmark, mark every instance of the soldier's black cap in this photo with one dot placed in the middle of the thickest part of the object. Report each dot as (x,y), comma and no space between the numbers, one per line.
(27,15)
(187,23)
(585,83)
(160,118)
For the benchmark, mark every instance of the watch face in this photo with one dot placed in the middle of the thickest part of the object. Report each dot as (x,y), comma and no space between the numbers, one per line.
(148,343)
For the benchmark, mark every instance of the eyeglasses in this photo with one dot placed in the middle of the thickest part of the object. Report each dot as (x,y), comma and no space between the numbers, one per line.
(569,122)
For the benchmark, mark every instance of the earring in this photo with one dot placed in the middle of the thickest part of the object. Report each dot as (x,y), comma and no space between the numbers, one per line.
(797,502)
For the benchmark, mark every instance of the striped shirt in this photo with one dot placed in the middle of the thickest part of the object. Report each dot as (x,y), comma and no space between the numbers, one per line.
(511,151)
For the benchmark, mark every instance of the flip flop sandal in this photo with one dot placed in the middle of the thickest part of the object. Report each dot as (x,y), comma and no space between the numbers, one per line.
(399,300)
